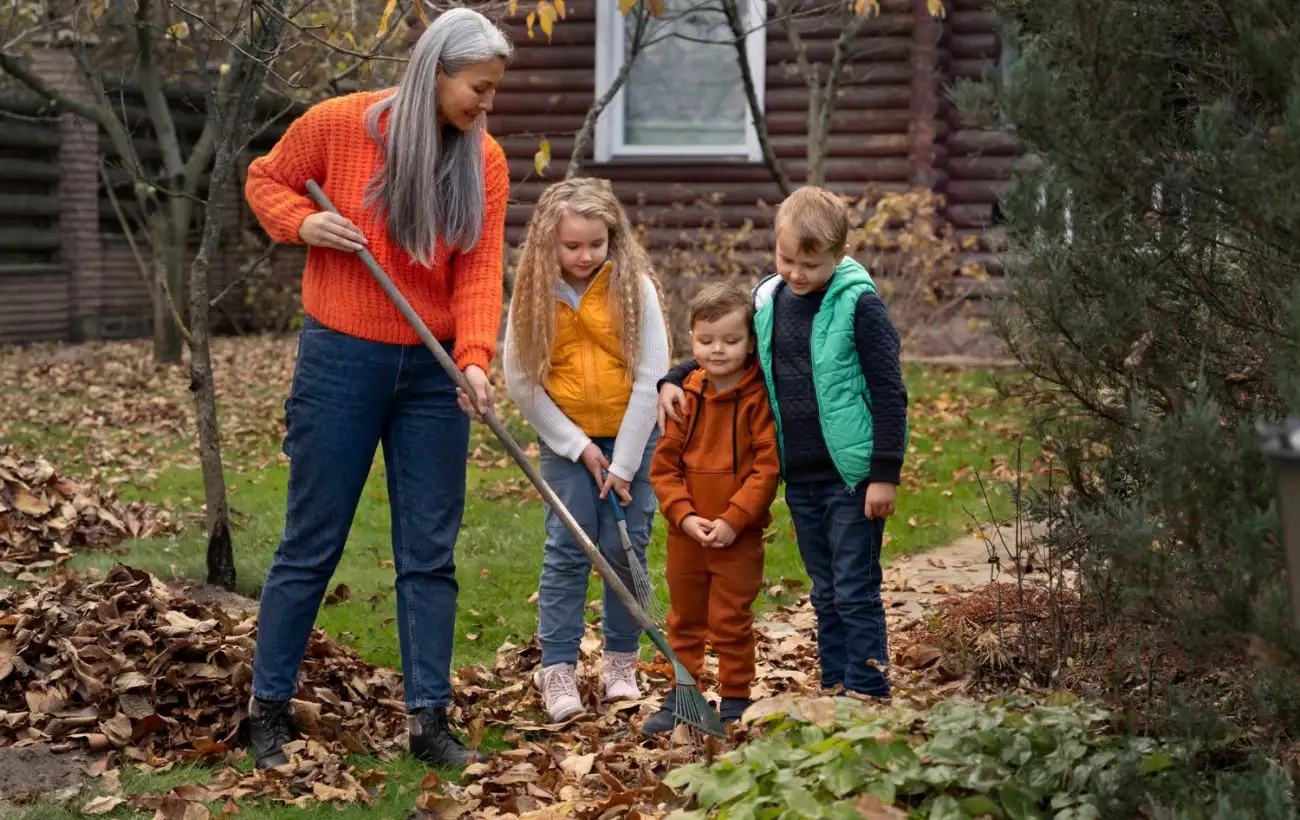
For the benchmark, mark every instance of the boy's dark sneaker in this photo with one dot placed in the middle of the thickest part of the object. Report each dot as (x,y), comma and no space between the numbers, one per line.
(732,709)
(663,721)
(269,727)
(433,743)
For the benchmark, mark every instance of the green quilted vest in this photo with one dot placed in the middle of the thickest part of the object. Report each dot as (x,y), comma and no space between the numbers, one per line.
(844,404)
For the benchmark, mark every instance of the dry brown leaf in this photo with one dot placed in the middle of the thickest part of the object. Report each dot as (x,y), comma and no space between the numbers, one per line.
(870,807)
(102,805)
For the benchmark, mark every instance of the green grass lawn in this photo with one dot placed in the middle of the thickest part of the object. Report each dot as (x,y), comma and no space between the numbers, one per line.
(958,427)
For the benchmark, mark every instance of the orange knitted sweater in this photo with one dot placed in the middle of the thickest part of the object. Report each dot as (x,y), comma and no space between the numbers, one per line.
(458,297)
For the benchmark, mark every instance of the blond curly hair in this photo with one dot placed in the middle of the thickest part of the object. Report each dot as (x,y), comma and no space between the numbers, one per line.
(532,305)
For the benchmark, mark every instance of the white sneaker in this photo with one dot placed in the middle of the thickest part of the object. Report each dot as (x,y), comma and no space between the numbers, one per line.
(620,676)
(558,684)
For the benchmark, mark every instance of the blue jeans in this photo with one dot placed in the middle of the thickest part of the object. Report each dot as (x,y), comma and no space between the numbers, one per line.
(566,570)
(841,551)
(348,396)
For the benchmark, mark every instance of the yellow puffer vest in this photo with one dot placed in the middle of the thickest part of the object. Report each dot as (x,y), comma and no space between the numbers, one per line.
(588,379)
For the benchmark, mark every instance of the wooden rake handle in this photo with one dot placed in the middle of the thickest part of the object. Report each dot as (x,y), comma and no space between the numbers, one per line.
(602,565)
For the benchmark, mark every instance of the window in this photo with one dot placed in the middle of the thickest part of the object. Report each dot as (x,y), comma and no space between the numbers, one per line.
(684,96)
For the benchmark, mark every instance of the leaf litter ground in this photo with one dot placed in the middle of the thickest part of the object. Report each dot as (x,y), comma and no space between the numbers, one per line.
(127,670)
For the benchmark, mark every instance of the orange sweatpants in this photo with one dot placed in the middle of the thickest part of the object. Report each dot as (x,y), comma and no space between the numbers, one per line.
(711,594)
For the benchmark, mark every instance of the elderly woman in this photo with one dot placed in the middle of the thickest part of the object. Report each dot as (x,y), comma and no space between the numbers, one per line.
(415,168)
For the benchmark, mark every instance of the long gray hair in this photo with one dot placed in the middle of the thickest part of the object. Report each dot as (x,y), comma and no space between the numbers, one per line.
(416,150)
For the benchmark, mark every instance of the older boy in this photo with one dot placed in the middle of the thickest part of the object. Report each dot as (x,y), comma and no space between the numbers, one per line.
(830,356)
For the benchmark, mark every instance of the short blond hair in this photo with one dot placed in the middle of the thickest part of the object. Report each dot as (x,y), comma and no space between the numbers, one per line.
(817,219)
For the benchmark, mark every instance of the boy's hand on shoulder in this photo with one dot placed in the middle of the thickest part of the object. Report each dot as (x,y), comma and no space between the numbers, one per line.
(880,500)
(698,529)
(723,534)
(669,395)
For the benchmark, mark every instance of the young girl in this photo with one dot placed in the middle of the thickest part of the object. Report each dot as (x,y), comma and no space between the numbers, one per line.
(585,344)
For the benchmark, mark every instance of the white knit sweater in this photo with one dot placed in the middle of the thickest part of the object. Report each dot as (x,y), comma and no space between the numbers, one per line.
(558,430)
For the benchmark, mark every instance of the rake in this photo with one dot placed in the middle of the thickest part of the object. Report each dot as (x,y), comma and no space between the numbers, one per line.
(645,592)
(691,707)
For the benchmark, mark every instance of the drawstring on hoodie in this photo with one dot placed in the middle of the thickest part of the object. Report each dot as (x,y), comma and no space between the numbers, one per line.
(695,420)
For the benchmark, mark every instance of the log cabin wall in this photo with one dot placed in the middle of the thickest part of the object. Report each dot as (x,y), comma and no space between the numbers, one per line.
(893,127)
(67,272)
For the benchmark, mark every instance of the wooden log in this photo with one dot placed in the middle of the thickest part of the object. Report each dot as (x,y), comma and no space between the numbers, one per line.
(531,57)
(992,167)
(858,97)
(978,21)
(28,170)
(844,120)
(30,239)
(979,69)
(967,46)
(503,122)
(969,5)
(28,135)
(977,215)
(868,169)
(24,103)
(974,141)
(32,270)
(568,32)
(665,194)
(546,80)
(965,192)
(785,146)
(13,204)
(570,103)
(866,72)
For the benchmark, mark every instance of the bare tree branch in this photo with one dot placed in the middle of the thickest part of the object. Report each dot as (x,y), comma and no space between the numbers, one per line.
(245,274)
(756,113)
(149,78)
(630,53)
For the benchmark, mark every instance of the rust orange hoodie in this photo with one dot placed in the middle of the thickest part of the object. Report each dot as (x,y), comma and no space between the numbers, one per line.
(721,460)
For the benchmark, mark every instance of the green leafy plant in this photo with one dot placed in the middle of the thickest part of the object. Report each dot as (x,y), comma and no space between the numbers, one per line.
(1014,758)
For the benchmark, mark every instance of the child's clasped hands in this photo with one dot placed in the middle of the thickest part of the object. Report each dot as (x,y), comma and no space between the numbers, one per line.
(715,534)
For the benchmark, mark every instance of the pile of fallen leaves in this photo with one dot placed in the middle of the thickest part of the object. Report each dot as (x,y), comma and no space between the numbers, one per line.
(126,668)
(1004,634)
(599,765)
(45,518)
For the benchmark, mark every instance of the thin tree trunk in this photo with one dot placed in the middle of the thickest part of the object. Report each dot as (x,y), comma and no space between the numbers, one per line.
(221,553)
(230,109)
(169,267)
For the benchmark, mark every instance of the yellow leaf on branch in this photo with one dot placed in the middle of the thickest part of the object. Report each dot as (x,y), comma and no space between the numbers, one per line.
(179,30)
(867,8)
(542,159)
(936,8)
(624,6)
(514,6)
(547,15)
(531,21)
(385,17)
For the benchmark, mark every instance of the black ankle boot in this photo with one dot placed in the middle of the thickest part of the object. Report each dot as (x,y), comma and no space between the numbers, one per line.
(732,709)
(663,721)
(433,743)
(269,728)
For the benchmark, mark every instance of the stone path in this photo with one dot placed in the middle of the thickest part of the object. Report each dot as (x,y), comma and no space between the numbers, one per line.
(915,584)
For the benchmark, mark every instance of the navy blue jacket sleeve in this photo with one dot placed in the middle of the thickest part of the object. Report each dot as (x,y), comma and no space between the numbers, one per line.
(878,351)
(677,375)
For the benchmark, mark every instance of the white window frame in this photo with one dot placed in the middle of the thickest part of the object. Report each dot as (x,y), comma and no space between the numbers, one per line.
(610,42)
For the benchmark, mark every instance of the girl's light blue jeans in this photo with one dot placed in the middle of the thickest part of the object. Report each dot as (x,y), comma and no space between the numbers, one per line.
(566,570)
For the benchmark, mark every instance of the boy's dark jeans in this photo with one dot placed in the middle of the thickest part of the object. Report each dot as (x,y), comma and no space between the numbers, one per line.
(841,551)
